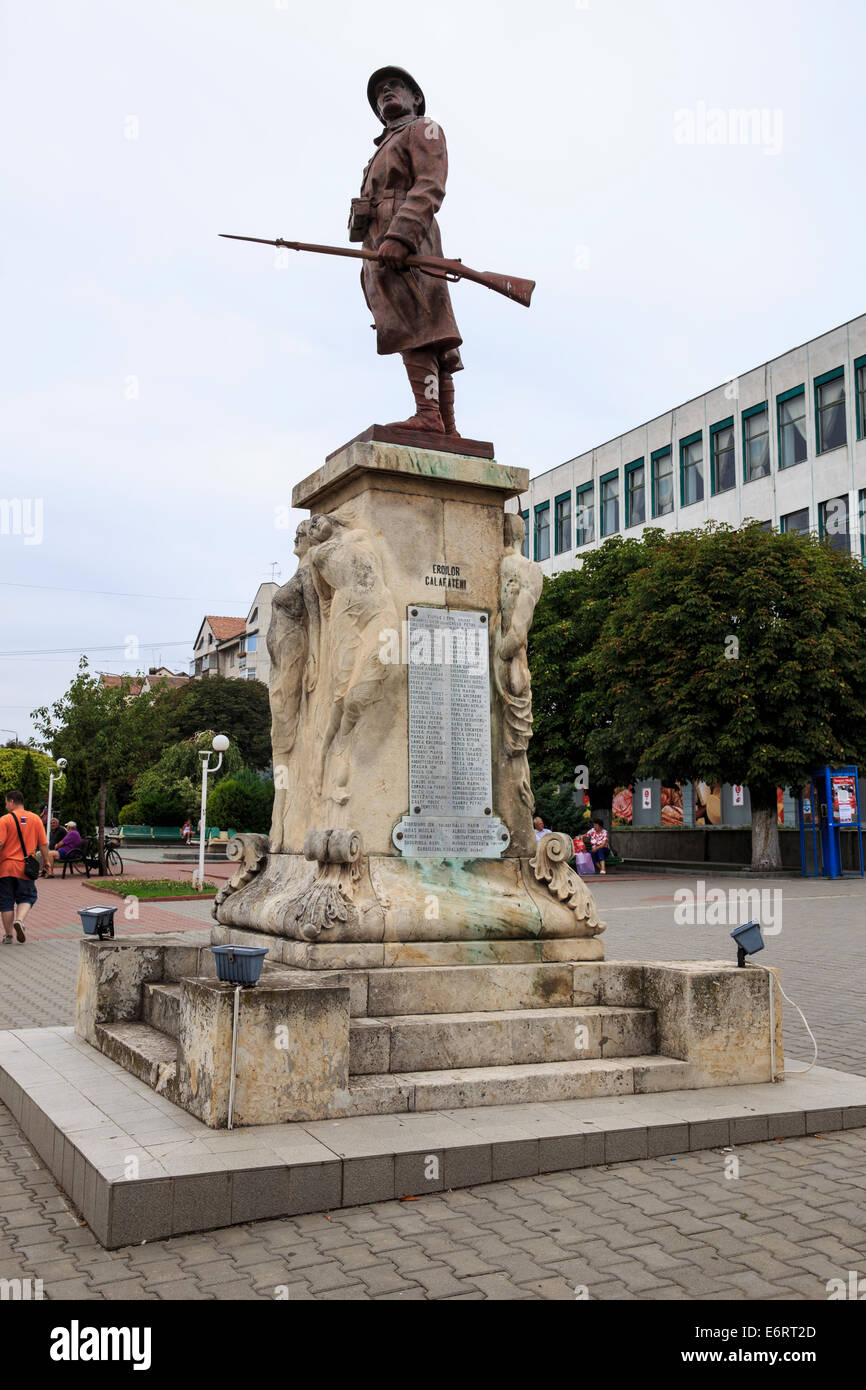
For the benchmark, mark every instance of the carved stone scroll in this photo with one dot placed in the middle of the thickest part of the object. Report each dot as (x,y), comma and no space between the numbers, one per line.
(551,866)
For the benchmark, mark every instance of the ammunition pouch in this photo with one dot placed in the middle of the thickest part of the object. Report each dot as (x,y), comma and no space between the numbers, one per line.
(359,218)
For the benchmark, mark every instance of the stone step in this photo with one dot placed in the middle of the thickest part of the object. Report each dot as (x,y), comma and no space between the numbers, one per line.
(145,1051)
(511,1037)
(161,1007)
(442,989)
(467,1087)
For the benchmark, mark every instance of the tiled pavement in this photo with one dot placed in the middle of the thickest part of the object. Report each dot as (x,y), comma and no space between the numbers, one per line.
(681,1228)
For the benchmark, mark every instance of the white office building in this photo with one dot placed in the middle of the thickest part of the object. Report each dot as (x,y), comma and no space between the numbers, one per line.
(784,444)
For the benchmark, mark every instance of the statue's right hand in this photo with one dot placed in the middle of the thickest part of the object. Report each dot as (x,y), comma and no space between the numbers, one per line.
(393,253)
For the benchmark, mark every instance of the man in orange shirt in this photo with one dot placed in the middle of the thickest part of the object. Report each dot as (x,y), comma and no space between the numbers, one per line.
(18,893)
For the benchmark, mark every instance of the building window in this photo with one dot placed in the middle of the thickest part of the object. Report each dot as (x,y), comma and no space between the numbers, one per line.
(610,504)
(833,523)
(525,516)
(792,427)
(691,470)
(584,521)
(860,394)
(862,510)
(796,521)
(830,426)
(756,442)
(766,525)
(562,523)
(253,643)
(542,531)
(722,461)
(254,616)
(663,482)
(231,658)
(635,493)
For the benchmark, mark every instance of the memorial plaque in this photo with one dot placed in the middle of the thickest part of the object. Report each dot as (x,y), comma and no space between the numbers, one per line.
(450,776)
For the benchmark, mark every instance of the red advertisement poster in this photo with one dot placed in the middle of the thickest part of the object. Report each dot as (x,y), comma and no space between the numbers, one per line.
(844,798)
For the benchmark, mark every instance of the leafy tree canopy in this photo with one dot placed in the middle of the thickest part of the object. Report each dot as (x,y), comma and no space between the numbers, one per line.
(727,655)
(239,709)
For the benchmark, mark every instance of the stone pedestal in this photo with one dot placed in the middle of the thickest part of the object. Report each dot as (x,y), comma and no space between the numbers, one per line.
(401,718)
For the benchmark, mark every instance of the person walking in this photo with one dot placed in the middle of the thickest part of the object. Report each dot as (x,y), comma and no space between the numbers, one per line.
(21,835)
(599,845)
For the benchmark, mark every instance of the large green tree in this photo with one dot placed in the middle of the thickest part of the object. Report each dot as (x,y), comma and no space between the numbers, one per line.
(726,655)
(239,709)
(104,730)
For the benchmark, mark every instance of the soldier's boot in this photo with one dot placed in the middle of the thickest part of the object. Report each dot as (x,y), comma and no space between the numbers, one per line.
(446,402)
(422,368)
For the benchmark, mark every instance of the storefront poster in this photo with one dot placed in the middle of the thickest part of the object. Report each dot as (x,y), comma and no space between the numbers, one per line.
(844,798)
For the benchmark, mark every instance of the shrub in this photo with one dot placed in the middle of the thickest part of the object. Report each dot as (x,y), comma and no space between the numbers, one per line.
(243,802)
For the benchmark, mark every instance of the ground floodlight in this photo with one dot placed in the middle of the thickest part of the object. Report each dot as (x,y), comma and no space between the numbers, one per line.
(749,940)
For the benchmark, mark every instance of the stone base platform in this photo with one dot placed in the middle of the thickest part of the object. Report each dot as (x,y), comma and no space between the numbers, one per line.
(138,1168)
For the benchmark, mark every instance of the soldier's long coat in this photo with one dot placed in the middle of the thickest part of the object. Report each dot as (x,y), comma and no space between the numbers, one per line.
(405,182)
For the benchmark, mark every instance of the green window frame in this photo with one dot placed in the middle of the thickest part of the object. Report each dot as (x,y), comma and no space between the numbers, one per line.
(860,395)
(689,460)
(541,530)
(830,415)
(862,511)
(662,468)
(525,516)
(562,523)
(723,456)
(785,522)
(635,493)
(584,517)
(610,500)
(791,424)
(753,434)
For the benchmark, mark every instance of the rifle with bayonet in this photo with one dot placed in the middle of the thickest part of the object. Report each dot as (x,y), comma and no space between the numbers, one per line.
(509,285)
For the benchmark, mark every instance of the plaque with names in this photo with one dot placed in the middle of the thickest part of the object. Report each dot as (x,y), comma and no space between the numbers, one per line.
(450,776)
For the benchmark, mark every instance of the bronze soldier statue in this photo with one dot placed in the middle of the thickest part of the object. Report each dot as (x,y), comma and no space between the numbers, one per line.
(402,190)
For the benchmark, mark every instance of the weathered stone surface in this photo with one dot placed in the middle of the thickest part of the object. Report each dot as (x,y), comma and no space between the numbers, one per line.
(369,1047)
(161,1006)
(467,988)
(292,1052)
(398,531)
(110,978)
(517,1085)
(347,467)
(142,1050)
(518,1036)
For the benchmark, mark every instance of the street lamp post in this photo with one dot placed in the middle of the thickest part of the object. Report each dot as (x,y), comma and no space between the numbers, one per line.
(61,763)
(220,745)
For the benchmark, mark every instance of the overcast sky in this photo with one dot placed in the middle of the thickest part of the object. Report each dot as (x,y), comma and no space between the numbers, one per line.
(162,390)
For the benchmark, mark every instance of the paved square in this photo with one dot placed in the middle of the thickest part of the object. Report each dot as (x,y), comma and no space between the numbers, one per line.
(674,1226)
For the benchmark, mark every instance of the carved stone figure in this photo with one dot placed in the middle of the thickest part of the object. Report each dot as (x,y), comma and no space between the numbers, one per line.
(293,645)
(402,190)
(520,583)
(347,573)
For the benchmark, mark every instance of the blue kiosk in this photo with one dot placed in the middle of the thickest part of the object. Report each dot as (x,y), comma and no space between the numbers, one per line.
(829,804)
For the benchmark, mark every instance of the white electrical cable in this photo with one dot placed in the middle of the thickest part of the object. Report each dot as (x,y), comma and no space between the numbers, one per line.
(774,979)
